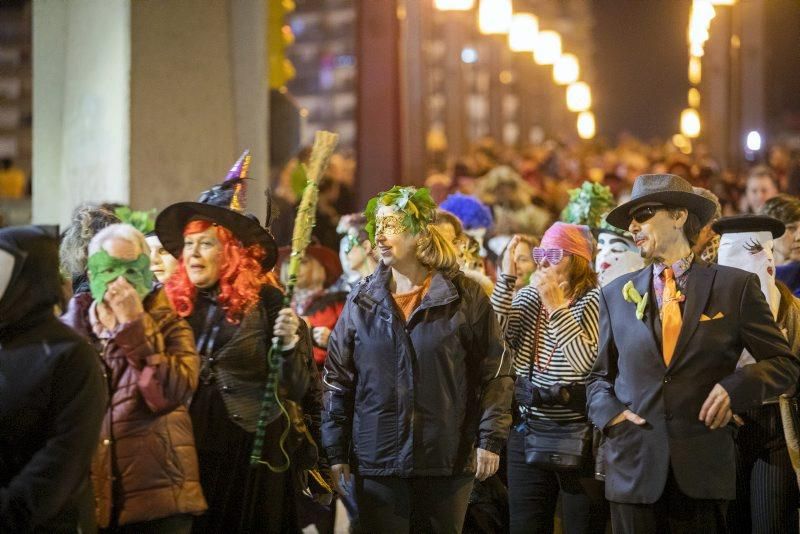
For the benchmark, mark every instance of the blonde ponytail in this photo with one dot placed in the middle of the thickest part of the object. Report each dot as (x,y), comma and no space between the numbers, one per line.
(436,252)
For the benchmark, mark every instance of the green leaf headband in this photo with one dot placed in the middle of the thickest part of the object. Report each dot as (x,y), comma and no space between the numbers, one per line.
(416,204)
(144,221)
(588,204)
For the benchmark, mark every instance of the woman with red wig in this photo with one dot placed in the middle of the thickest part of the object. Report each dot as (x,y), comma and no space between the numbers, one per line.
(224,288)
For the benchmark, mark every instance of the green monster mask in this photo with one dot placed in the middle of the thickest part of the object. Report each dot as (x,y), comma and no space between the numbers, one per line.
(104,269)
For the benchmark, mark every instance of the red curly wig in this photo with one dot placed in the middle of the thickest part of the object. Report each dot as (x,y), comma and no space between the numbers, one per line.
(241,276)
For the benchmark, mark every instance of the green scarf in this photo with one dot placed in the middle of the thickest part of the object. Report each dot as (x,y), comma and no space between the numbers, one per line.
(104,269)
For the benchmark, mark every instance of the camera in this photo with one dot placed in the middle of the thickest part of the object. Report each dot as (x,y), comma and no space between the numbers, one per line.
(572,396)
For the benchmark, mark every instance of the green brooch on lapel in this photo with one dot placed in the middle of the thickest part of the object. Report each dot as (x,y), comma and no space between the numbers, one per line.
(630,294)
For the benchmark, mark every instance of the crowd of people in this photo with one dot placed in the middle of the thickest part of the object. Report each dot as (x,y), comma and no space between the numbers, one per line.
(551,339)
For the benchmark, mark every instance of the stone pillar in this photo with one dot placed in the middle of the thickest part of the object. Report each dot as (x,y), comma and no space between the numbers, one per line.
(81,99)
(146,102)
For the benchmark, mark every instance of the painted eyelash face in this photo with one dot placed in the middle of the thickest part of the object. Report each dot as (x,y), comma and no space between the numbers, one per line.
(753,247)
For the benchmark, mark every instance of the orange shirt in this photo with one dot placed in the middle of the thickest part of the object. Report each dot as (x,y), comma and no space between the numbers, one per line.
(408,302)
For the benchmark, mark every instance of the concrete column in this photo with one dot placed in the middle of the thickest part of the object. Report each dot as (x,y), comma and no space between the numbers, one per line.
(81,98)
(147,102)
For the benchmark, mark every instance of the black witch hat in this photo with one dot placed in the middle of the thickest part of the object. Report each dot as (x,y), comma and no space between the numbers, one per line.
(224,204)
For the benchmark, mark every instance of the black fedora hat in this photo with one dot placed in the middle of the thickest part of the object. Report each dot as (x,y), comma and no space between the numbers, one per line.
(662,189)
(738,224)
(224,205)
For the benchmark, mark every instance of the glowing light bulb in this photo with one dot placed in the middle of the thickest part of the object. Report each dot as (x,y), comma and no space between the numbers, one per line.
(524,29)
(566,69)
(494,16)
(579,96)
(586,125)
(690,123)
(548,47)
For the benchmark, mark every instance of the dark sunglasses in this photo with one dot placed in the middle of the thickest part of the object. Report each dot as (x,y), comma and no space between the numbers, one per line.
(646,213)
(552,255)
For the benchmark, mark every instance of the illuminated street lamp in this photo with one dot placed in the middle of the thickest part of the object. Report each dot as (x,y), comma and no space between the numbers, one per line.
(695,70)
(494,16)
(548,48)
(524,29)
(690,123)
(586,125)
(566,69)
(579,96)
(753,143)
(454,5)
(693,98)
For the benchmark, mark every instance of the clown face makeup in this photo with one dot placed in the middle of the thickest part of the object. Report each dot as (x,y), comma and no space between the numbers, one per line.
(616,255)
(752,251)
(6,269)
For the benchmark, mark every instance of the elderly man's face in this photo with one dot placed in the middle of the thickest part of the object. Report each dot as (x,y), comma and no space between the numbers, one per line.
(657,231)
(123,250)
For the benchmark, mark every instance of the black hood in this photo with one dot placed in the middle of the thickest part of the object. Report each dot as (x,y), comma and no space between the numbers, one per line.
(35,285)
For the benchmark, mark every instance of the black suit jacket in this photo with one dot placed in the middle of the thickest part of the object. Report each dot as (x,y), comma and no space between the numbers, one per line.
(630,374)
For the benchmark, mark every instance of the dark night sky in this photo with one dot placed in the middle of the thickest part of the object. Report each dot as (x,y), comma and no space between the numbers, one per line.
(640,66)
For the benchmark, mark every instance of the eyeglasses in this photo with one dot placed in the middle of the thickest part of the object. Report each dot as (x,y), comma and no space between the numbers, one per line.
(552,255)
(646,213)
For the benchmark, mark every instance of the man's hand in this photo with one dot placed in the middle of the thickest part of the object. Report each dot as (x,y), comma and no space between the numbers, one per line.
(341,471)
(123,300)
(716,410)
(286,326)
(488,462)
(629,416)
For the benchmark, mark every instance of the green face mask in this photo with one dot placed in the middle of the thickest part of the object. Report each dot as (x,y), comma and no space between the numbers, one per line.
(104,269)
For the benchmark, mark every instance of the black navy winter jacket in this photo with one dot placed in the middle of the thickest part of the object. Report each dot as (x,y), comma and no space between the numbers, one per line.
(412,399)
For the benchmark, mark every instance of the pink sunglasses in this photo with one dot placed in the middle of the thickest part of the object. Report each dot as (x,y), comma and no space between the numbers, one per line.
(552,255)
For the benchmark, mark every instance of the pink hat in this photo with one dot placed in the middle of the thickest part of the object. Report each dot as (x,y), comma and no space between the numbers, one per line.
(574,238)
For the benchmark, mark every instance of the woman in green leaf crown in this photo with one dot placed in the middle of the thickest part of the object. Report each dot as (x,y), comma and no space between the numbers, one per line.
(417,382)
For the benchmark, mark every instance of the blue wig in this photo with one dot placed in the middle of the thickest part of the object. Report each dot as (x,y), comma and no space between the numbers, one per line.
(470,211)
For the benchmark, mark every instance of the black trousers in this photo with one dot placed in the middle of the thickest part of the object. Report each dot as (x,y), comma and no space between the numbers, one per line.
(533,493)
(766,486)
(673,513)
(394,505)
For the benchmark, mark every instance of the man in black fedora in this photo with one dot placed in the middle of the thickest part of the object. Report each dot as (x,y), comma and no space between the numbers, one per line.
(665,383)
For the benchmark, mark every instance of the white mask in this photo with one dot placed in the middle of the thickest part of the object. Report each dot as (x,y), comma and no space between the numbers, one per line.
(752,252)
(6,268)
(616,255)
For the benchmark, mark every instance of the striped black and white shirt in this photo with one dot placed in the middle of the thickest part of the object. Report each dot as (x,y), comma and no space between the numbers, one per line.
(570,335)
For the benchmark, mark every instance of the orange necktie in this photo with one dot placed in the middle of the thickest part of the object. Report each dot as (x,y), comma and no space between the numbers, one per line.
(670,316)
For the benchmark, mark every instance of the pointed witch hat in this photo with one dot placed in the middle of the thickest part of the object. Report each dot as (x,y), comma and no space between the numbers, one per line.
(224,204)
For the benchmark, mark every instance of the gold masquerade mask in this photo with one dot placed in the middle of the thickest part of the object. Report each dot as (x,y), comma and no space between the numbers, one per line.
(390,225)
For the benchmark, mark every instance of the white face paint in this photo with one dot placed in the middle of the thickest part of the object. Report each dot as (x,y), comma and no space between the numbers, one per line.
(6,268)
(616,255)
(752,252)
